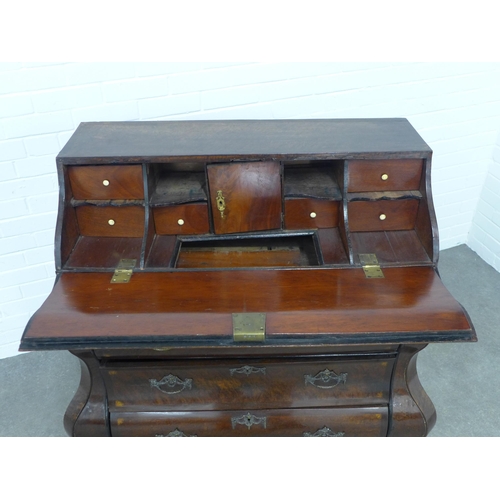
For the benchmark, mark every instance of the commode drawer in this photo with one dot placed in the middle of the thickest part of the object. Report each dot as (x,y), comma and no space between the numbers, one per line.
(110,221)
(107,182)
(384,175)
(308,213)
(247,384)
(333,422)
(190,218)
(382,215)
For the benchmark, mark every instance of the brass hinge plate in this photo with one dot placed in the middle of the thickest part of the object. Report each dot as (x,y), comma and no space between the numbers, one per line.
(370,265)
(123,271)
(249,327)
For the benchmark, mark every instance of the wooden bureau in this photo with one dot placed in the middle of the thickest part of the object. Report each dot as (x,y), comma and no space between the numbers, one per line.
(247,278)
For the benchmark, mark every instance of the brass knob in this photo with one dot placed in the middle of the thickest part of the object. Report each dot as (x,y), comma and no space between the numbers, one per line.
(180,222)
(382,217)
(384,177)
(111,222)
(105,182)
(312,215)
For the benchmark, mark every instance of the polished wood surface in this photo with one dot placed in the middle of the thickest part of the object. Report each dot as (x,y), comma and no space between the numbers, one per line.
(360,422)
(114,222)
(312,303)
(384,175)
(398,215)
(252,196)
(121,182)
(300,200)
(190,218)
(308,213)
(248,383)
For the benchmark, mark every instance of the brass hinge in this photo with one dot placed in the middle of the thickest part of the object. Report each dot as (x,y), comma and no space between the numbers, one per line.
(249,327)
(370,265)
(123,271)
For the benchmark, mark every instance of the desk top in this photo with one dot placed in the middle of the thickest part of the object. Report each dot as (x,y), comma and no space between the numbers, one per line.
(329,139)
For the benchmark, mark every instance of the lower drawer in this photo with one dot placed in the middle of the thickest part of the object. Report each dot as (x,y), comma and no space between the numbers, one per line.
(336,422)
(223,384)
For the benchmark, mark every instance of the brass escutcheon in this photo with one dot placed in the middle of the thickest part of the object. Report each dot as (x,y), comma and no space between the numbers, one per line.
(221,203)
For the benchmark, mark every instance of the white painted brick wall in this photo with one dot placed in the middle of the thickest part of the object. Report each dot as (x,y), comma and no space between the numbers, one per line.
(484,236)
(454,106)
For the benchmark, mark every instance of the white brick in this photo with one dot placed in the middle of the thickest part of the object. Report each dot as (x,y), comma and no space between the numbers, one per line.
(135,89)
(10,293)
(9,349)
(36,124)
(33,186)
(13,208)
(40,255)
(34,288)
(29,79)
(10,66)
(230,97)
(285,90)
(7,171)
(252,112)
(172,105)
(36,166)
(12,150)
(43,203)
(15,105)
(68,98)
(11,262)
(127,110)
(45,238)
(18,307)
(185,83)
(29,224)
(165,68)
(40,145)
(17,244)
(15,323)
(20,276)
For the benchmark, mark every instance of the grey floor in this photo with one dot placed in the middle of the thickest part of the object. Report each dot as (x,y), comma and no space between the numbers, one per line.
(463,379)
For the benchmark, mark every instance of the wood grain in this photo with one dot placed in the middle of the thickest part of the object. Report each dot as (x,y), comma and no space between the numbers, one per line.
(298,213)
(94,221)
(194,217)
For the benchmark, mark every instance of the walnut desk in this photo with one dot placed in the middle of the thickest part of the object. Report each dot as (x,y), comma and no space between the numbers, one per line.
(247,278)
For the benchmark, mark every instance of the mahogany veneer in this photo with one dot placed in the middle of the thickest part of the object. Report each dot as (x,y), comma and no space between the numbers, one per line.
(247,278)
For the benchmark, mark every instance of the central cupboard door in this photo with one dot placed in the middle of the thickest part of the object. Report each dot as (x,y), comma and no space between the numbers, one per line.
(245,196)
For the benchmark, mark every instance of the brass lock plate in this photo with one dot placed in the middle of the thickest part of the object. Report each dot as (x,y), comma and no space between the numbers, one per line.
(370,265)
(249,327)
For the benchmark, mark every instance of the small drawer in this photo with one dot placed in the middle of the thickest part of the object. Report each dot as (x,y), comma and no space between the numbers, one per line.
(383,215)
(191,218)
(251,384)
(107,182)
(310,213)
(110,221)
(384,175)
(332,422)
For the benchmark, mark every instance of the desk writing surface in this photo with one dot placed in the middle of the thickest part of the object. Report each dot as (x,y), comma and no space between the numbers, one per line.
(197,306)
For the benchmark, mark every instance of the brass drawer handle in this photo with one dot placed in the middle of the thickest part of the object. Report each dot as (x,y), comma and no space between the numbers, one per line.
(324,432)
(176,433)
(248,420)
(171,382)
(247,370)
(325,377)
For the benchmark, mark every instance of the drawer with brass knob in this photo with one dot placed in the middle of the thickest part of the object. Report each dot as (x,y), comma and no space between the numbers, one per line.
(189,218)
(111,221)
(382,215)
(106,182)
(309,213)
(384,175)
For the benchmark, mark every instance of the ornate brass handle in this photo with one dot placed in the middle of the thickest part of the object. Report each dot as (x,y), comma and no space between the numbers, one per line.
(221,203)
(325,377)
(324,432)
(176,433)
(171,382)
(248,420)
(247,370)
